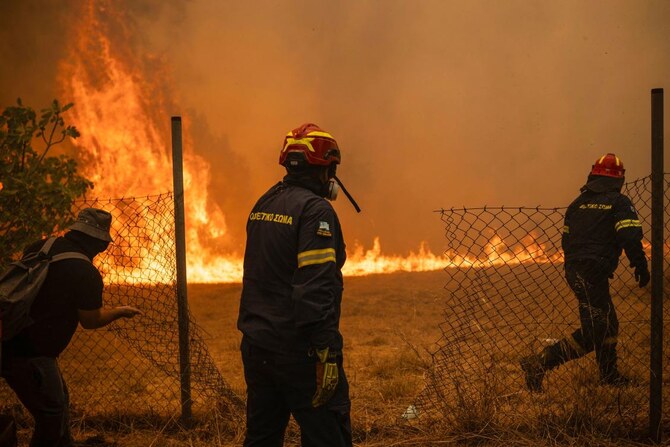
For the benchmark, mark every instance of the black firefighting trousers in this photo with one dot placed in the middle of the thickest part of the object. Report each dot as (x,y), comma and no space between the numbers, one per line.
(599,324)
(38,384)
(279,386)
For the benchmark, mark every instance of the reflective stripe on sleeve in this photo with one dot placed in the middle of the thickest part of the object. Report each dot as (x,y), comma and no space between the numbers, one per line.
(627,223)
(316,256)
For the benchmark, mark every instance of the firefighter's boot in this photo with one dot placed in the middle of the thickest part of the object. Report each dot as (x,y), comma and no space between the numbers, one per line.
(536,366)
(607,364)
(534,370)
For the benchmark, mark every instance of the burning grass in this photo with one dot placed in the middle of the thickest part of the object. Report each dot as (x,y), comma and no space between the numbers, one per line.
(390,323)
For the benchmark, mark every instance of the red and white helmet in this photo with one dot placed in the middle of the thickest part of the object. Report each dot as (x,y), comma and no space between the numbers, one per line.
(316,146)
(608,165)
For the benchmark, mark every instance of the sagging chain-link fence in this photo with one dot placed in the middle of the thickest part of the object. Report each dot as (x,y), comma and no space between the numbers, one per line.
(507,299)
(131,367)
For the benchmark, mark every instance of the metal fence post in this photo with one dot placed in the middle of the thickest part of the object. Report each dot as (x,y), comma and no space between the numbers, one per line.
(180,244)
(657,242)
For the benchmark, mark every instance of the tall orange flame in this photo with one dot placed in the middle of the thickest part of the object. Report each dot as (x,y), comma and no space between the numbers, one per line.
(124,115)
(123,148)
(124,143)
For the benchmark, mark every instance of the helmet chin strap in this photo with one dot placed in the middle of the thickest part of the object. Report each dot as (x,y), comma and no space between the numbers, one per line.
(334,188)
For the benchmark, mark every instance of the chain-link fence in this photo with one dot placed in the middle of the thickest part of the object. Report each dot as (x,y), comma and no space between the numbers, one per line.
(508,299)
(131,367)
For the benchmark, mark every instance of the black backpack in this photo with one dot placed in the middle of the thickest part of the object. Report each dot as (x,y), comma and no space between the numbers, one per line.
(19,286)
(7,431)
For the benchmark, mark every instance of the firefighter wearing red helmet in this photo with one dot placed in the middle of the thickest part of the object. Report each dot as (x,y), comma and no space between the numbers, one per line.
(291,296)
(599,224)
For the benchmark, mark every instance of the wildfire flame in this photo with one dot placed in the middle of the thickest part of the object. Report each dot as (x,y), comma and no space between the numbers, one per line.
(365,262)
(124,140)
(124,121)
(496,253)
(124,117)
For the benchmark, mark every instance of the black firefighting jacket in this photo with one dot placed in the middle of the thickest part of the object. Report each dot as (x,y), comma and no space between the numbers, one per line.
(600,223)
(292,284)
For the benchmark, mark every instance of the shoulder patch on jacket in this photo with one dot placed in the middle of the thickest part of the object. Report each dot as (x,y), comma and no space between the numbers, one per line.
(324,229)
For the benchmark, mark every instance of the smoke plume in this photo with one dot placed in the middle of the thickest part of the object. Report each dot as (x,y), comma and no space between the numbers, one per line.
(434,103)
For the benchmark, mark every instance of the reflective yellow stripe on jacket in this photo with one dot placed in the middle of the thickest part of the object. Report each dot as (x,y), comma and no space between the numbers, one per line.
(627,223)
(320,256)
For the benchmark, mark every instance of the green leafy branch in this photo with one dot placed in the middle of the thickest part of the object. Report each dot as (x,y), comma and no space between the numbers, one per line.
(37,189)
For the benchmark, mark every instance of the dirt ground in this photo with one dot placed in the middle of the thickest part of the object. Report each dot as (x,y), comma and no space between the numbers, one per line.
(390,324)
(381,316)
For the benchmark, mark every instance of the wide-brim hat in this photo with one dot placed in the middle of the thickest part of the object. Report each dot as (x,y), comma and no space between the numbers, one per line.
(94,222)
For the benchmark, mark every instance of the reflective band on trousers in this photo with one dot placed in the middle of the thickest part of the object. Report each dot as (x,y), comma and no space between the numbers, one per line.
(316,257)
(610,341)
(575,345)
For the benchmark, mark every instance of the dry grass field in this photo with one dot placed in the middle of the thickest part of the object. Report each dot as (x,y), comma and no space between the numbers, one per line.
(390,324)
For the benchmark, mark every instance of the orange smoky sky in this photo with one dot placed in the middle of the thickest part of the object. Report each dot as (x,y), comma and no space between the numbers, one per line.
(435,103)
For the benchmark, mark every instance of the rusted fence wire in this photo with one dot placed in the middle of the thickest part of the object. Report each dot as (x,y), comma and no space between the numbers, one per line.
(507,299)
(131,367)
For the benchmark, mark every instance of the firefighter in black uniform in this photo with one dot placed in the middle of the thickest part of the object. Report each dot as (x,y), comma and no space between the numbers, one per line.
(599,225)
(291,296)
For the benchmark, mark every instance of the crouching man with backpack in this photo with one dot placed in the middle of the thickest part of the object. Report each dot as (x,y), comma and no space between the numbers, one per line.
(70,295)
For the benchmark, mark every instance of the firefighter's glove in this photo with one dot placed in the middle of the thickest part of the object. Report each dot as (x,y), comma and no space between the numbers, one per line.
(326,376)
(642,276)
